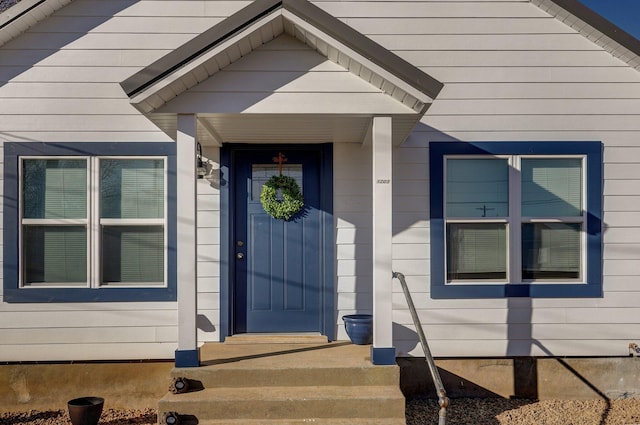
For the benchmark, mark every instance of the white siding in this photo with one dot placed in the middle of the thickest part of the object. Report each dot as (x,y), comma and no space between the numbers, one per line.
(511,73)
(208,252)
(352,210)
(60,82)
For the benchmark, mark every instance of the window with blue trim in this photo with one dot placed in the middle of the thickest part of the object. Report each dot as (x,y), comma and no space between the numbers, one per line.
(90,222)
(516,219)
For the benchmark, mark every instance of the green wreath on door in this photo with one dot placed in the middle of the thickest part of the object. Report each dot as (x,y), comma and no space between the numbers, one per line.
(292,200)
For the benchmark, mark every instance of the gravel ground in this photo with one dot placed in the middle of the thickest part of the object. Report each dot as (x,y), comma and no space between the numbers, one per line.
(421,412)
(526,412)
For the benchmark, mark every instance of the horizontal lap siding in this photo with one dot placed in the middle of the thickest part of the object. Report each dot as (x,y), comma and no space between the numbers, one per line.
(511,72)
(60,82)
(208,254)
(73,62)
(352,191)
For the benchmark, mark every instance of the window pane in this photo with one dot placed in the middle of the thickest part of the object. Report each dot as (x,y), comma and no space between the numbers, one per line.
(551,251)
(132,254)
(477,188)
(54,188)
(552,187)
(476,251)
(54,255)
(132,188)
(260,173)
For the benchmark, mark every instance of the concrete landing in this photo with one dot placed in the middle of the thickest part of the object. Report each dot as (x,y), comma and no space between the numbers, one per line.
(288,384)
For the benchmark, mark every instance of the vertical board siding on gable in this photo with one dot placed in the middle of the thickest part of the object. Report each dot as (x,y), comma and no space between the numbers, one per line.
(512,73)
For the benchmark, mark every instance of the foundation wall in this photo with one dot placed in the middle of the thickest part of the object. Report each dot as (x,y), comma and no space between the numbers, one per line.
(139,385)
(136,385)
(526,377)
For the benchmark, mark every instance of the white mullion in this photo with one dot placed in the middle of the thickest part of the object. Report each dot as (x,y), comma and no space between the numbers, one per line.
(445,218)
(514,250)
(574,219)
(165,220)
(21,224)
(477,220)
(132,221)
(54,221)
(583,238)
(94,223)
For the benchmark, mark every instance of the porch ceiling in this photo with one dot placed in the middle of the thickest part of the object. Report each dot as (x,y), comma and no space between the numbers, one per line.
(215,129)
(159,91)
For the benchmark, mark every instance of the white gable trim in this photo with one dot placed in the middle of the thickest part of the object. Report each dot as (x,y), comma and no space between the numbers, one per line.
(358,64)
(25,14)
(262,31)
(595,28)
(206,65)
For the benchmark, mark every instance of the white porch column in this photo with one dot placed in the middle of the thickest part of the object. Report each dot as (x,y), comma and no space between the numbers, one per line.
(382,352)
(187,354)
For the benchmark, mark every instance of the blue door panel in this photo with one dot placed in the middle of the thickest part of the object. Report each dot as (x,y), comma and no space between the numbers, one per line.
(278,279)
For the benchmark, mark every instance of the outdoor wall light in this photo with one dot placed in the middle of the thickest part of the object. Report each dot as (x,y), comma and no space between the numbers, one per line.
(206,170)
(201,166)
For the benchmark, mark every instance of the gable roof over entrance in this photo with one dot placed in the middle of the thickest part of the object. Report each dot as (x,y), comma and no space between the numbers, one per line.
(406,91)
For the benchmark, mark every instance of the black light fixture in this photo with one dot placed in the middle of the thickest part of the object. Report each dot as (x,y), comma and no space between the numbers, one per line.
(201,166)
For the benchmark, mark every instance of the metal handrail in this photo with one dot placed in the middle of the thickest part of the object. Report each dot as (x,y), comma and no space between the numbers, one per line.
(443,400)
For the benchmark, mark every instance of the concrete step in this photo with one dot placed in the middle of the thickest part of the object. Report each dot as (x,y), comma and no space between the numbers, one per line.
(287,383)
(336,363)
(288,403)
(212,377)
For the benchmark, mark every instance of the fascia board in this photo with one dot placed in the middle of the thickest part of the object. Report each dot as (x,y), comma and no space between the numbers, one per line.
(342,48)
(149,91)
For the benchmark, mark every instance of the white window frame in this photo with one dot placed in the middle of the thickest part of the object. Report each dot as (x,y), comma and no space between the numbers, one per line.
(93,224)
(515,220)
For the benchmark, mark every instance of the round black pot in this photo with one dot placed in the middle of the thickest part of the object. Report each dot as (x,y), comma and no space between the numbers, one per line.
(85,410)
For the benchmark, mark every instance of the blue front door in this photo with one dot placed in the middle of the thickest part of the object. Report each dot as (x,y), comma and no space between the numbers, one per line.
(279,264)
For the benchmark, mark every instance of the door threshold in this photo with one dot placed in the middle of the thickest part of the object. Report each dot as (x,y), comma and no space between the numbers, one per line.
(277,338)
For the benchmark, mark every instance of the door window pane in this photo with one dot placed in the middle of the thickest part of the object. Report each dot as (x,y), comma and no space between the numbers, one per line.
(54,255)
(132,254)
(132,188)
(54,188)
(476,251)
(477,188)
(551,251)
(260,173)
(551,187)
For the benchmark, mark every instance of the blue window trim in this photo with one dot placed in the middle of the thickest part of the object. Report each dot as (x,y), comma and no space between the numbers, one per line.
(592,288)
(12,292)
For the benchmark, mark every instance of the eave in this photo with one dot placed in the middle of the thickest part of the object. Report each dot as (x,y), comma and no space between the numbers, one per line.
(260,23)
(25,14)
(594,27)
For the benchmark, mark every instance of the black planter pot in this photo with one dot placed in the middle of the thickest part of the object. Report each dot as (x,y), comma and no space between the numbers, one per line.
(359,327)
(85,410)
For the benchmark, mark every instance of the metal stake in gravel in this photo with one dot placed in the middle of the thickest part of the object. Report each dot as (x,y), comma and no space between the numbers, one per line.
(443,400)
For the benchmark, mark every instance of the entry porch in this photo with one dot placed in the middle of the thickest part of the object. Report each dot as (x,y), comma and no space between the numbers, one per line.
(255,380)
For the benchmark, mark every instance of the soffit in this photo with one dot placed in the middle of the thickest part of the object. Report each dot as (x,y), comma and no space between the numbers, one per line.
(24,14)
